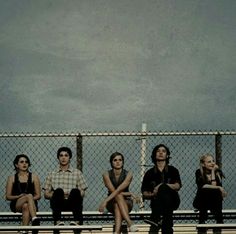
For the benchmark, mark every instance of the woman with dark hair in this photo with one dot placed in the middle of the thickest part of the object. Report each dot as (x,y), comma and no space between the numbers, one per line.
(119,200)
(160,185)
(210,192)
(23,190)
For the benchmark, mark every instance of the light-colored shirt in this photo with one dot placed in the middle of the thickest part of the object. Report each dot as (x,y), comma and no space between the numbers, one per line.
(66,180)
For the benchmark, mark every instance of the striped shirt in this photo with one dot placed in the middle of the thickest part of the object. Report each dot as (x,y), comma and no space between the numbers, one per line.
(66,180)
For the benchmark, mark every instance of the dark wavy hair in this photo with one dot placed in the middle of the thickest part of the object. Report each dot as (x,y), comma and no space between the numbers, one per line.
(17,158)
(154,152)
(114,155)
(66,149)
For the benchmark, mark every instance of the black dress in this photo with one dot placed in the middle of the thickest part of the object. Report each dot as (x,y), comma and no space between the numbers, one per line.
(19,188)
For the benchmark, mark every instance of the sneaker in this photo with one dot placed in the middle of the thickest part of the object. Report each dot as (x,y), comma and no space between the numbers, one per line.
(60,223)
(153,223)
(35,222)
(74,223)
(133,228)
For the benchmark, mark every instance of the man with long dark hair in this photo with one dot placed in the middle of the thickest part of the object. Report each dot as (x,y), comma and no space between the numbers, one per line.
(160,185)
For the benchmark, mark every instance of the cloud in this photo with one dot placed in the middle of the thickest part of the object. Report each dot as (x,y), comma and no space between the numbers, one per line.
(89,66)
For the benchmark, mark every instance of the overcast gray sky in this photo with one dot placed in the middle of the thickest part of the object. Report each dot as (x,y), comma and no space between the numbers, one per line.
(102,65)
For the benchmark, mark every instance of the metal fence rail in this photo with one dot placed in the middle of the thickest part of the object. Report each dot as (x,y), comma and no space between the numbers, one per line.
(91,152)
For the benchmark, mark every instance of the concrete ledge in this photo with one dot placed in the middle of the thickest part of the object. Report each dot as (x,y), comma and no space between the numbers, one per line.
(220,226)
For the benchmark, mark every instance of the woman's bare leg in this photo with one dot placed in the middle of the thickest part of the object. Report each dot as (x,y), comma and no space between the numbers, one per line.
(118,219)
(27,199)
(123,207)
(25,214)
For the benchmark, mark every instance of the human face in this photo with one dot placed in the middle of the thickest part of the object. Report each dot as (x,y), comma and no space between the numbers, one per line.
(209,163)
(161,154)
(22,164)
(64,158)
(117,162)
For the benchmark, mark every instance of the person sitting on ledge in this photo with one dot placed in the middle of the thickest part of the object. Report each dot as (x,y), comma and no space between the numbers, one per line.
(23,190)
(65,188)
(160,185)
(119,200)
(210,192)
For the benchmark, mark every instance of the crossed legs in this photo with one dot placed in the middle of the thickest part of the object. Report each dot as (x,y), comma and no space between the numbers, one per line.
(121,211)
(26,205)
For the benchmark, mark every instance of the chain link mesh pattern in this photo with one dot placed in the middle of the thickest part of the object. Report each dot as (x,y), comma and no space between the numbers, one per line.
(96,148)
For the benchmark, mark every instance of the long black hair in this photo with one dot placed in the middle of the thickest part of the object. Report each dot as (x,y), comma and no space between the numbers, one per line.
(154,152)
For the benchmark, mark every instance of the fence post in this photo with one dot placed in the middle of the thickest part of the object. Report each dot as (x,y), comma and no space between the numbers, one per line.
(218,149)
(79,152)
(143,156)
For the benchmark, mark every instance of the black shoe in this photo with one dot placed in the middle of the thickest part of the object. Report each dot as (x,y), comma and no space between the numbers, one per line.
(36,222)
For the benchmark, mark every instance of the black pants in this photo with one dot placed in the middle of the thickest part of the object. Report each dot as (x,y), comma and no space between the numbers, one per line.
(211,199)
(162,210)
(74,203)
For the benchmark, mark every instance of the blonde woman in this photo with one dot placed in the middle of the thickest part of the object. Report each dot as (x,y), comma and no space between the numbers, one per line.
(210,192)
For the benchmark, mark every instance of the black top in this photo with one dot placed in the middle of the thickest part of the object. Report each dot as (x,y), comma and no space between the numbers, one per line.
(154,177)
(19,188)
(201,180)
(26,187)
(207,198)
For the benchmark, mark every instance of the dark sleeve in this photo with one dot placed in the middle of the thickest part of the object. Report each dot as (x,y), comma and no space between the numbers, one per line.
(175,176)
(146,183)
(199,179)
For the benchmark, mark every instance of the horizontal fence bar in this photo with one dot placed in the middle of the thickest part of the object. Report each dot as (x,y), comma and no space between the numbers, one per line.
(178,214)
(217,225)
(104,134)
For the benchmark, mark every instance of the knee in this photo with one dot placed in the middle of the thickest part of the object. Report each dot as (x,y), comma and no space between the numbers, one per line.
(58,192)
(29,197)
(119,198)
(25,208)
(75,193)
(164,188)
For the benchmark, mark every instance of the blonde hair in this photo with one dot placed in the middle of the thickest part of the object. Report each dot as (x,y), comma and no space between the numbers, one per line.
(203,171)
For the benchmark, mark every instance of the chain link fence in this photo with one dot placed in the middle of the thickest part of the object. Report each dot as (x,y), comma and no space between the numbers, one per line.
(91,153)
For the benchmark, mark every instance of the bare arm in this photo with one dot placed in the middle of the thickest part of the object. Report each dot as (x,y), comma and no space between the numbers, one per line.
(119,189)
(37,187)
(48,192)
(9,186)
(115,192)
(82,192)
(213,184)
